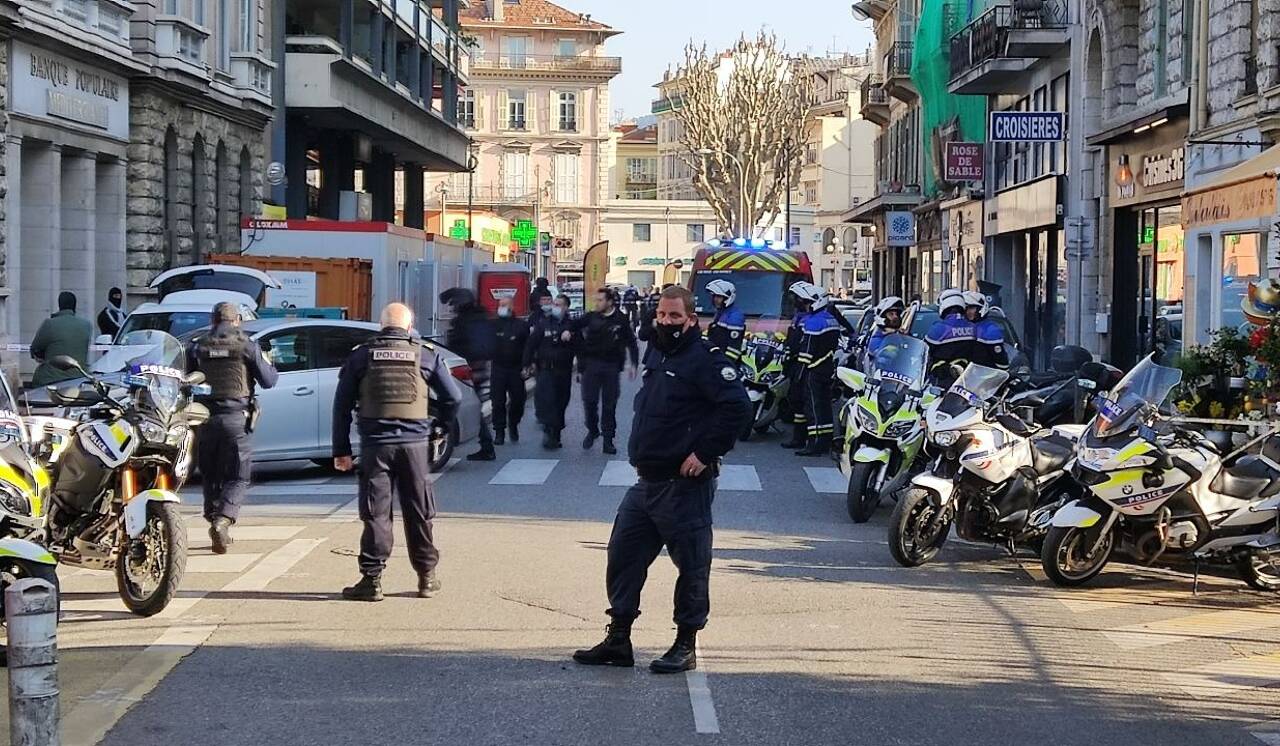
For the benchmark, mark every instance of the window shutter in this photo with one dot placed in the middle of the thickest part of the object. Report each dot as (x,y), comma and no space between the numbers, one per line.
(480,99)
(502,115)
(530,109)
(554,112)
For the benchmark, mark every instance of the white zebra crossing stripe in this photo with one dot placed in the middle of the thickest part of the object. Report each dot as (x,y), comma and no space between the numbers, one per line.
(525,471)
(738,478)
(273,566)
(1213,624)
(618,474)
(827,479)
(199,534)
(1226,677)
(220,562)
(297,488)
(435,476)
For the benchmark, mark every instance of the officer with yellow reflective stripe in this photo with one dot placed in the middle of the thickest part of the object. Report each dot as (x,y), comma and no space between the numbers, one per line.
(727,329)
(816,359)
(389,378)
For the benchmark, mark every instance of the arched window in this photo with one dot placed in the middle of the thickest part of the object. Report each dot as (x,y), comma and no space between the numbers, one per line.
(221,230)
(246,187)
(199,200)
(169,198)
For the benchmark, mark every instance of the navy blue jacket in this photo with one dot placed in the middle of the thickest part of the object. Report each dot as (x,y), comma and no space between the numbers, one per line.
(727,331)
(692,401)
(607,339)
(989,345)
(546,348)
(261,372)
(446,395)
(951,340)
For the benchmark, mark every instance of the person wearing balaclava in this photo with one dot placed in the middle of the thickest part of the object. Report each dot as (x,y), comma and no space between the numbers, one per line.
(112,315)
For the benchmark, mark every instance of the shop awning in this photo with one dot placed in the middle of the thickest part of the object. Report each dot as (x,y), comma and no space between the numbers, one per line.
(1243,192)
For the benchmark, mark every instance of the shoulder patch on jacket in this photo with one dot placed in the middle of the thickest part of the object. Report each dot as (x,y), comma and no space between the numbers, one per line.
(729,373)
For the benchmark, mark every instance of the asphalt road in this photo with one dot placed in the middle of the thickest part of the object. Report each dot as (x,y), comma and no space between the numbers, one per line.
(816,636)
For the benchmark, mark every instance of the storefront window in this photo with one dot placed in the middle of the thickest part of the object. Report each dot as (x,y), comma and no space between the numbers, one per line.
(1241,265)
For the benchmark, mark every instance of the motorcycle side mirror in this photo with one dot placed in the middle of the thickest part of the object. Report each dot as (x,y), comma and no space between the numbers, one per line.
(1026,414)
(65,362)
(194,378)
(855,380)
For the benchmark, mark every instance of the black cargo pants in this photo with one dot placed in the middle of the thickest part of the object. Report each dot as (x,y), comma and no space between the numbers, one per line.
(391,473)
(225,457)
(506,389)
(601,387)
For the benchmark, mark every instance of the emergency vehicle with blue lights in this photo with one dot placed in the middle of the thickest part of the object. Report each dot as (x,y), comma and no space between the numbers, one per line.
(760,270)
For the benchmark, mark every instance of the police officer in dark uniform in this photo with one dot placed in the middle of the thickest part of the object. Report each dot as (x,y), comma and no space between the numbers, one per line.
(648,310)
(728,328)
(389,378)
(821,338)
(550,352)
(605,344)
(687,417)
(506,385)
(232,364)
(792,369)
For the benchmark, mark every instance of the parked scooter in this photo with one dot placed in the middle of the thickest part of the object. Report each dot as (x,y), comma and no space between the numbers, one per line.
(994,469)
(1155,488)
(765,381)
(882,423)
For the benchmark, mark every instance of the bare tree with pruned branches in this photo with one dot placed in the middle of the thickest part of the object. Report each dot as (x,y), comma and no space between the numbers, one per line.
(743,132)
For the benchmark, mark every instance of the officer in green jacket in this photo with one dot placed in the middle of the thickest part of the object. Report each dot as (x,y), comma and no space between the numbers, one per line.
(63,333)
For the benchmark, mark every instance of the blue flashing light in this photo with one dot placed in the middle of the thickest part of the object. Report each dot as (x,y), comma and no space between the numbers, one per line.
(757,243)
(740,242)
(714,243)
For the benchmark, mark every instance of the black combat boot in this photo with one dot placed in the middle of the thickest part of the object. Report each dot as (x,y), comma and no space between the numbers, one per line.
(368,589)
(817,447)
(484,454)
(548,440)
(555,440)
(683,655)
(515,433)
(614,651)
(609,447)
(798,437)
(428,584)
(220,534)
(499,436)
(589,441)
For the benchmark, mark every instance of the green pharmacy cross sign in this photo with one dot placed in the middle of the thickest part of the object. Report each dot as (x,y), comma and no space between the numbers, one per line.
(459,230)
(525,234)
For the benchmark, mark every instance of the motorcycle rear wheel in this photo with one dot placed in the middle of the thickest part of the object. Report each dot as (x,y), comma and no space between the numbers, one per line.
(909,544)
(860,500)
(1258,574)
(1062,546)
(165,535)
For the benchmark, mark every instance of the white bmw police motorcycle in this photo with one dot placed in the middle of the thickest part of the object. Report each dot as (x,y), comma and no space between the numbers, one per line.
(1155,488)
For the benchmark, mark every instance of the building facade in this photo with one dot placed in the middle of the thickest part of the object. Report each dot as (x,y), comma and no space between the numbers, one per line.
(537,110)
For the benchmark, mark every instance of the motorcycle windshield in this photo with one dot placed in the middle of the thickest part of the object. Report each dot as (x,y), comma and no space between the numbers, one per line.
(902,359)
(764,347)
(1144,388)
(156,361)
(978,383)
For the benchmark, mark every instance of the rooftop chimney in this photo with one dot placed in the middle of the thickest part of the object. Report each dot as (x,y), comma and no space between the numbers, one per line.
(497,11)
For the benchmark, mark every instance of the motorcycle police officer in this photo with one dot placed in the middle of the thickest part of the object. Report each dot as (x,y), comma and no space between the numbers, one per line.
(888,321)
(728,327)
(389,378)
(951,338)
(792,369)
(989,347)
(550,352)
(506,386)
(232,364)
(688,414)
(606,344)
(817,367)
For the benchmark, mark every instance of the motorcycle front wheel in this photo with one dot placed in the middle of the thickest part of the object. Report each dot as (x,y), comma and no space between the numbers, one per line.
(1065,559)
(913,539)
(860,500)
(150,567)
(1258,573)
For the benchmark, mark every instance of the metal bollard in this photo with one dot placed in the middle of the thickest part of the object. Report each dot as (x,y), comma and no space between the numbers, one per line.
(31,614)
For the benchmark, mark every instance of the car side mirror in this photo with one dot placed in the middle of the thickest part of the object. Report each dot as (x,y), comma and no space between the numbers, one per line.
(102,339)
(194,378)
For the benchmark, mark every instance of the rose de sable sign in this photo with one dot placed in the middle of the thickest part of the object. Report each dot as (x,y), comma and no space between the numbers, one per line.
(51,86)
(963,161)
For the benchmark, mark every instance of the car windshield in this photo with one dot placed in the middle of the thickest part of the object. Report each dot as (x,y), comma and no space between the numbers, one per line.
(979,383)
(1144,388)
(176,323)
(901,359)
(758,293)
(153,348)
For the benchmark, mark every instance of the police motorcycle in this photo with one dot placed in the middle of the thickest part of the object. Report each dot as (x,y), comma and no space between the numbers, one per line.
(120,460)
(1155,488)
(883,422)
(993,473)
(765,380)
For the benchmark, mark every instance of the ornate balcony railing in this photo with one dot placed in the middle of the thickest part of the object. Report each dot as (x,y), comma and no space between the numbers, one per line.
(987,36)
(547,62)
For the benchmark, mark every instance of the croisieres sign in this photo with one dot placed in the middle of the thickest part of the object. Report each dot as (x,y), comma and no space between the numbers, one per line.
(1026,126)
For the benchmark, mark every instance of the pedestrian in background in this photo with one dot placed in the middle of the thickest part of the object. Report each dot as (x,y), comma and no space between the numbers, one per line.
(232,365)
(473,335)
(63,333)
(550,352)
(606,345)
(540,290)
(687,417)
(392,378)
(507,383)
(112,315)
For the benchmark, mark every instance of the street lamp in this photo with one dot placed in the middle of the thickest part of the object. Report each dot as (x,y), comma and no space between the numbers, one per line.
(472,163)
(443,189)
(742,228)
(786,165)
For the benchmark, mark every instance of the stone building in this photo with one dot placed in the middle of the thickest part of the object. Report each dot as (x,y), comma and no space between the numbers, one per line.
(197,142)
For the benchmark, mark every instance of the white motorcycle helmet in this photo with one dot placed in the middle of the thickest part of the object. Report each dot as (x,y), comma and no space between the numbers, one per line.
(951,300)
(724,289)
(807,291)
(892,303)
(973,298)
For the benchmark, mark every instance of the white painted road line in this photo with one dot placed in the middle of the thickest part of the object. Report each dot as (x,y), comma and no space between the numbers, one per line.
(827,479)
(435,476)
(704,708)
(1223,624)
(738,478)
(1270,735)
(273,566)
(200,534)
(221,562)
(347,512)
(525,471)
(1227,677)
(618,474)
(289,489)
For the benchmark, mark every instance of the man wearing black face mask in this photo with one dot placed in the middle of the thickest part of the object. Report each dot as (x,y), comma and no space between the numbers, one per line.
(112,315)
(687,417)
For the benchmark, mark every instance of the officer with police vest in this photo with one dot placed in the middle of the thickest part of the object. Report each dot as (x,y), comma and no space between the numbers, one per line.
(392,378)
(728,328)
(231,364)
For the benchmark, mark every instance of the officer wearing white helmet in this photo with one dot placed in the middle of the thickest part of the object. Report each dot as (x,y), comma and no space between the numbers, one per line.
(888,320)
(727,329)
(816,360)
(952,337)
(989,347)
(791,367)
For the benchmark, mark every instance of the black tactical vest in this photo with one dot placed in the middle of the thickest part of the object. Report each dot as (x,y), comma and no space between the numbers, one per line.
(221,359)
(393,387)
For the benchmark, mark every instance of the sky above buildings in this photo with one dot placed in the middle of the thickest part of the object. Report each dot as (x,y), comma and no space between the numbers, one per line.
(655,33)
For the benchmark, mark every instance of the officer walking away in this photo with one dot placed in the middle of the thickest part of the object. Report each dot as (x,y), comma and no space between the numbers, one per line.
(112,315)
(989,348)
(951,338)
(687,417)
(507,382)
(63,333)
(606,344)
(232,365)
(392,379)
(728,327)
(550,351)
(474,336)
(816,360)
(791,368)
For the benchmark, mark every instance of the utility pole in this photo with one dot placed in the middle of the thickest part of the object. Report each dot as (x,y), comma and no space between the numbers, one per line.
(786,236)
(666,213)
(472,163)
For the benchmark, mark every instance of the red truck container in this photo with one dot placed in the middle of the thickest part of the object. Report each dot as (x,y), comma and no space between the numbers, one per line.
(503,280)
(326,283)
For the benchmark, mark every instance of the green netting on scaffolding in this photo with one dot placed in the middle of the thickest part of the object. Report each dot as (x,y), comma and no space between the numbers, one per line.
(943,115)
